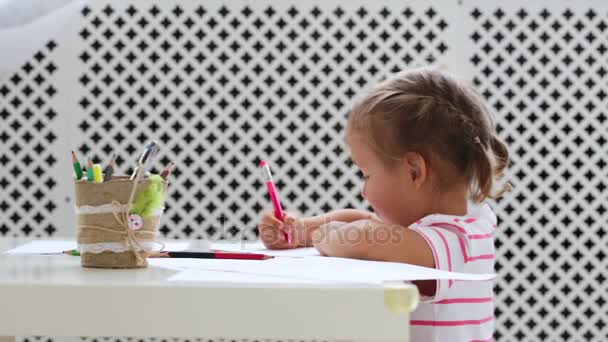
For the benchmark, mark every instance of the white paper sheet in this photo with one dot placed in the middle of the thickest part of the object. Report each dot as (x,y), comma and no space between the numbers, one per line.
(337,270)
(44,247)
(229,265)
(58,246)
(176,246)
(199,276)
(258,247)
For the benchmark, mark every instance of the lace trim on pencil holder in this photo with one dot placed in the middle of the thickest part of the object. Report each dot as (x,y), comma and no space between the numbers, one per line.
(130,237)
(108,209)
(118,247)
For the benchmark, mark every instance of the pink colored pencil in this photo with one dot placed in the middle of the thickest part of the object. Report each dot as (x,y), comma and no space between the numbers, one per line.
(274,196)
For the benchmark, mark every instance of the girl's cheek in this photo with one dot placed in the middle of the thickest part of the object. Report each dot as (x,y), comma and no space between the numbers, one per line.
(370,196)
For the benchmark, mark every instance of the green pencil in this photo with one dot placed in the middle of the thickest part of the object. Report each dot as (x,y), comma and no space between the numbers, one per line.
(90,174)
(72,252)
(77,166)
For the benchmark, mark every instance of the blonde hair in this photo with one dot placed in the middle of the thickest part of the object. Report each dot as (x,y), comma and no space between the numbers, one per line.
(440,117)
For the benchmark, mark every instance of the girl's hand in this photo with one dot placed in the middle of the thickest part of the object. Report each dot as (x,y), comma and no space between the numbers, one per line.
(273,232)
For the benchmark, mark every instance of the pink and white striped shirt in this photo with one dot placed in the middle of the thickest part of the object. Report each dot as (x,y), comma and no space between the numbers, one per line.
(460,311)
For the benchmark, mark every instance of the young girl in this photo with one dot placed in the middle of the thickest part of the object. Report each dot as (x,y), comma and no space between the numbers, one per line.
(429,153)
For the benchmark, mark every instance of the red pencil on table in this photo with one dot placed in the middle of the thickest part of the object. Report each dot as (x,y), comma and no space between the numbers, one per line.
(212,255)
(274,196)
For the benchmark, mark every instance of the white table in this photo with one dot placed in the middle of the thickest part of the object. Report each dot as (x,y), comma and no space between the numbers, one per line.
(53,295)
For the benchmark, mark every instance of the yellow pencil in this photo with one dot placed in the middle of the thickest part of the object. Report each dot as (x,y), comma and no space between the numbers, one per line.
(97,173)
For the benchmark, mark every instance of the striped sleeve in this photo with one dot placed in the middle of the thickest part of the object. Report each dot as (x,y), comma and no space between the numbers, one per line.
(446,247)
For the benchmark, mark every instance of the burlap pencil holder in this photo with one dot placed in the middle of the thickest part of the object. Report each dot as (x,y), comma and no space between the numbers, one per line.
(107,235)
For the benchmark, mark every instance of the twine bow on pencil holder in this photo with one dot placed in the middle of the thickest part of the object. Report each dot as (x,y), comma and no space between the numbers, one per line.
(118,221)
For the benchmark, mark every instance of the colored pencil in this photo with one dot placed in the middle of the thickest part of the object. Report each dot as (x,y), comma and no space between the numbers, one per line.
(77,166)
(274,196)
(212,255)
(167,171)
(109,170)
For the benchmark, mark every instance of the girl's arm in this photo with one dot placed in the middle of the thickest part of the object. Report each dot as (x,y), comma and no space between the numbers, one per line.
(374,240)
(309,225)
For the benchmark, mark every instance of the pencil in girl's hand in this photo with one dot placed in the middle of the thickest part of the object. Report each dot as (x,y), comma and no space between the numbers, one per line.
(77,166)
(274,197)
(167,171)
(90,174)
(109,170)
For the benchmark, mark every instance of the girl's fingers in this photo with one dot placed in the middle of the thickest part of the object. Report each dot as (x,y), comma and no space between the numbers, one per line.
(290,222)
(273,239)
(265,225)
(271,222)
(273,231)
(275,221)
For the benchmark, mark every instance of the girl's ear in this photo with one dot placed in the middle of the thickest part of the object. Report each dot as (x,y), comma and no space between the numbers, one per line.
(416,168)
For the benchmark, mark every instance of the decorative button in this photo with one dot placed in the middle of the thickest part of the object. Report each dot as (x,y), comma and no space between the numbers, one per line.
(135,222)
